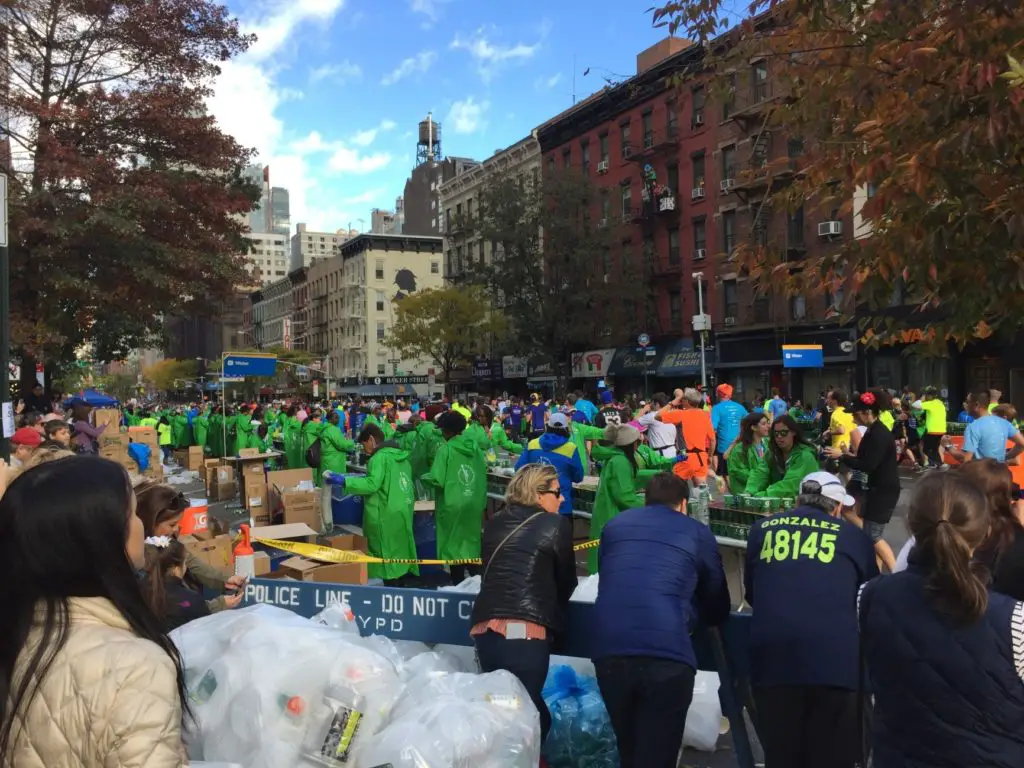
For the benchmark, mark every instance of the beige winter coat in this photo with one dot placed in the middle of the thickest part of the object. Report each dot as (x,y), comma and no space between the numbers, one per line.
(109,700)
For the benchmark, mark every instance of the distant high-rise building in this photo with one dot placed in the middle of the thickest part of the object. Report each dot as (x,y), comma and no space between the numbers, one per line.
(272,214)
(280,212)
(421,203)
(310,247)
(382,222)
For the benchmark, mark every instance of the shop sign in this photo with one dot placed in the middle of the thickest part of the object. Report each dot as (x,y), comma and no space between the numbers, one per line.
(802,356)
(541,370)
(487,370)
(592,364)
(513,367)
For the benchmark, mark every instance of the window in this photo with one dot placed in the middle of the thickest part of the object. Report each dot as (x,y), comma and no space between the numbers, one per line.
(730,298)
(585,157)
(671,119)
(760,151)
(458,214)
(648,125)
(469,209)
(673,246)
(480,251)
(606,206)
(729,231)
(448,219)
(675,310)
(380,301)
(551,164)
(798,308)
(795,148)
(698,171)
(759,229)
(834,299)
(672,175)
(380,369)
(698,98)
(566,157)
(378,271)
(729,98)
(700,235)
(380,330)
(795,228)
(624,139)
(603,144)
(626,192)
(648,250)
(729,162)
(759,76)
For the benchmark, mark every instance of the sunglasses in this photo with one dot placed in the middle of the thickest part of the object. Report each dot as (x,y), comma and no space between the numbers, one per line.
(781,432)
(552,492)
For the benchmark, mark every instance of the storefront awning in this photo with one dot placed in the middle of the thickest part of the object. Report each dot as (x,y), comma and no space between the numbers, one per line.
(633,361)
(681,358)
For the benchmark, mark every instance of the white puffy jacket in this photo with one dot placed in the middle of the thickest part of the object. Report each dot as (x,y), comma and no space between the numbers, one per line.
(109,699)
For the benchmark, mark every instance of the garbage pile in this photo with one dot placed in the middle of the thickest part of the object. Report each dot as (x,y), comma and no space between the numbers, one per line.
(269,689)
(581,732)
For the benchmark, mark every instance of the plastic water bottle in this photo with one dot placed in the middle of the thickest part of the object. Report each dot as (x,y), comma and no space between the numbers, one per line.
(245,557)
(699,501)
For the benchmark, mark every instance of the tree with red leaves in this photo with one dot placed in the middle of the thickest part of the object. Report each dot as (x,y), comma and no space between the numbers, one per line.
(126,198)
(904,108)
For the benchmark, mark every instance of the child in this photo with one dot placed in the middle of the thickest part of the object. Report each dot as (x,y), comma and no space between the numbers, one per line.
(163,587)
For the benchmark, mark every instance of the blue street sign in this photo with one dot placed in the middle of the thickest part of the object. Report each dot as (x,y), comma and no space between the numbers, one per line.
(250,365)
(802,356)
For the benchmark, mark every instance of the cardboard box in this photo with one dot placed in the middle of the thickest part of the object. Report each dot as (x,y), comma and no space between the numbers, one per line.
(296,531)
(248,453)
(208,466)
(148,436)
(256,503)
(109,418)
(285,478)
(194,461)
(222,491)
(261,564)
(181,457)
(301,569)
(215,552)
(347,541)
(298,506)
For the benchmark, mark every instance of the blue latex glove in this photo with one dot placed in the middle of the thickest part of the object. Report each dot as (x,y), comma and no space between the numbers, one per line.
(333,478)
(681,457)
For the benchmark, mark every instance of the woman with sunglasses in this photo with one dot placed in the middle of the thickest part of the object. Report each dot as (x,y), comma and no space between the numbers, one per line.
(161,507)
(789,460)
(529,576)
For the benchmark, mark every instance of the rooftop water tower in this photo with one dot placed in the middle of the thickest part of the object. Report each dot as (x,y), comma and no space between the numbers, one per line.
(428,146)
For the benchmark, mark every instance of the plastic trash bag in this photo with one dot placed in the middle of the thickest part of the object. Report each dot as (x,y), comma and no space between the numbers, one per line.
(182,478)
(140,453)
(338,616)
(484,721)
(704,718)
(581,731)
(462,656)
(469,586)
(584,667)
(586,590)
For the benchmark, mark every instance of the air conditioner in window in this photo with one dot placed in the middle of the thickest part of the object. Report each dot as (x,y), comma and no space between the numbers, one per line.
(730,321)
(697,193)
(726,184)
(603,223)
(830,228)
(698,119)
(648,142)
(602,167)
(627,151)
(699,254)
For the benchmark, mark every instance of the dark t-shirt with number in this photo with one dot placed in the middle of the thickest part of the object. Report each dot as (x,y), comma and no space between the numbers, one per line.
(804,569)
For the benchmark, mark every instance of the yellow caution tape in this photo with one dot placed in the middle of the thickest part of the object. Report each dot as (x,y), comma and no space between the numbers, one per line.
(329,555)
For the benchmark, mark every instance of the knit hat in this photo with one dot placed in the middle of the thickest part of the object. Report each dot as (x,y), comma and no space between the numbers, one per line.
(27,436)
(621,434)
(724,390)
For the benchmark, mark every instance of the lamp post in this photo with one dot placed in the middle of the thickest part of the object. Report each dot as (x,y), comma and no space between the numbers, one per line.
(700,324)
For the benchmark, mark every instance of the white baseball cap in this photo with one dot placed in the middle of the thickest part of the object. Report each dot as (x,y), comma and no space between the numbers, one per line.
(829,486)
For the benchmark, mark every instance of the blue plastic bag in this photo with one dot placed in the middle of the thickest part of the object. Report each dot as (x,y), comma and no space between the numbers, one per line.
(581,733)
(140,453)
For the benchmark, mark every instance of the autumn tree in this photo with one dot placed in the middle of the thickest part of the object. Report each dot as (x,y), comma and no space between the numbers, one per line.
(445,325)
(169,374)
(125,196)
(559,273)
(902,106)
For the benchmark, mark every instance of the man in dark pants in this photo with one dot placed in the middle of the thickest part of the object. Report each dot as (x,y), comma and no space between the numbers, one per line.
(658,567)
(804,569)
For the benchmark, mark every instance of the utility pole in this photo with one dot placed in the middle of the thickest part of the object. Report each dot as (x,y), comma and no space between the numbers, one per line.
(5,328)
(700,324)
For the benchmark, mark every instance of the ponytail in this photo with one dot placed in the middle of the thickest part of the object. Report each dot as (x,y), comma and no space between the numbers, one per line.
(161,557)
(954,583)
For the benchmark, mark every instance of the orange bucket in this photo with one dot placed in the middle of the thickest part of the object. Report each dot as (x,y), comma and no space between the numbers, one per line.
(195,520)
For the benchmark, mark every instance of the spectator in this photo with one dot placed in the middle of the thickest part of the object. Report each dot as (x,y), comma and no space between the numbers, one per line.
(1003,550)
(58,433)
(37,401)
(87,676)
(726,416)
(987,435)
(85,433)
(555,447)
(167,595)
(25,442)
(803,653)
(945,656)
(529,576)
(660,570)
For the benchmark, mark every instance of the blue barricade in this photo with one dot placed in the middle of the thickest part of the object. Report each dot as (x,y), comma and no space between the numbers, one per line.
(444,617)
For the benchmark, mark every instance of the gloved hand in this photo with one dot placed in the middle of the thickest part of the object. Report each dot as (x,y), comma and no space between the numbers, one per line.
(681,457)
(333,478)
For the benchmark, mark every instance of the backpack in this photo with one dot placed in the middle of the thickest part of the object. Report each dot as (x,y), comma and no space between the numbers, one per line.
(313,454)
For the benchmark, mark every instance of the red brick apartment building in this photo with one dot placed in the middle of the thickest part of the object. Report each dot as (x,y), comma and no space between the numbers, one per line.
(686,179)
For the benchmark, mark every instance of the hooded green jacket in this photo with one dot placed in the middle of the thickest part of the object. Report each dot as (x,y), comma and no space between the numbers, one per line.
(387,489)
(459,477)
(292,434)
(581,434)
(215,437)
(615,493)
(500,439)
(231,445)
(767,479)
(244,431)
(179,430)
(201,429)
(310,432)
(742,461)
(334,449)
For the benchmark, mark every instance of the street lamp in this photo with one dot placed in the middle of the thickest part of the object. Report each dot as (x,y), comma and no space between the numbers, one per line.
(701,323)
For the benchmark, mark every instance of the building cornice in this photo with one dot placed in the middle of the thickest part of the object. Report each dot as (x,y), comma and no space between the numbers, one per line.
(519,154)
(373,242)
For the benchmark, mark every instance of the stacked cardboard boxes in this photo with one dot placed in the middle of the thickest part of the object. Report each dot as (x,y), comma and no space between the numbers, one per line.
(292,499)
(302,569)
(148,436)
(221,485)
(190,458)
(254,491)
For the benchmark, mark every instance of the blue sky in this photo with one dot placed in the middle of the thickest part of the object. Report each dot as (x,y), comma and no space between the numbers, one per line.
(332,92)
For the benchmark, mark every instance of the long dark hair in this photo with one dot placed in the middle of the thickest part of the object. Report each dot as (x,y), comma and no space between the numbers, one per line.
(993,478)
(798,439)
(484,417)
(63,526)
(160,560)
(949,517)
(158,503)
(750,421)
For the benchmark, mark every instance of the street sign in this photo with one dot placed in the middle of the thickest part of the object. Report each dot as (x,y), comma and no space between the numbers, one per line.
(376,380)
(406,379)
(394,362)
(802,356)
(643,339)
(3,210)
(251,364)
(232,379)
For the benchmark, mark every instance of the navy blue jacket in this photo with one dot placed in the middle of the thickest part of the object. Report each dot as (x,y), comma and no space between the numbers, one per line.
(945,696)
(804,569)
(660,571)
(561,453)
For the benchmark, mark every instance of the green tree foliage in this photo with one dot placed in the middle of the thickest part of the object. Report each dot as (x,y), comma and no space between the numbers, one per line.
(905,100)
(560,273)
(170,375)
(125,195)
(445,325)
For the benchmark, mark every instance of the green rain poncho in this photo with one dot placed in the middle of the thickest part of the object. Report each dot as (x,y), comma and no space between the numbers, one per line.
(215,438)
(742,461)
(245,431)
(179,430)
(767,479)
(650,463)
(616,493)
(476,433)
(500,439)
(310,432)
(201,431)
(581,434)
(459,477)
(291,432)
(334,449)
(231,444)
(387,511)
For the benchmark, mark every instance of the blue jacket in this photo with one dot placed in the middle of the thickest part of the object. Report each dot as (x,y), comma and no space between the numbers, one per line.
(561,453)
(945,696)
(803,571)
(660,572)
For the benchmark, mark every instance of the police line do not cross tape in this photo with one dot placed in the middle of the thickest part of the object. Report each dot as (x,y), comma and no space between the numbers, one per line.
(329,555)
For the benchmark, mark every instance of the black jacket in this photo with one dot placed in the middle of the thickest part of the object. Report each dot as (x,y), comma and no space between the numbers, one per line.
(183,604)
(876,456)
(533,574)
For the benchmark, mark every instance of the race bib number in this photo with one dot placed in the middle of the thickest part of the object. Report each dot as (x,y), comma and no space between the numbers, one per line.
(782,544)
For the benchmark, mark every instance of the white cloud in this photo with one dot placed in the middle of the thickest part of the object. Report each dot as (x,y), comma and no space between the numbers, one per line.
(491,56)
(342,72)
(291,94)
(467,116)
(275,27)
(367,137)
(348,160)
(419,63)
(364,198)
(429,9)
(547,83)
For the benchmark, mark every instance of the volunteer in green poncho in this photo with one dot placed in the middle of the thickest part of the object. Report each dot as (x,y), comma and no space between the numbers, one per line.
(387,489)
(291,432)
(334,446)
(311,431)
(490,435)
(201,430)
(748,452)
(649,462)
(244,429)
(789,460)
(617,489)
(131,418)
(215,438)
(179,430)
(231,438)
(459,477)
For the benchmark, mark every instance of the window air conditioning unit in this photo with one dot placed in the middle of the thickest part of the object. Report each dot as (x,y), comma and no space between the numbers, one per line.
(602,167)
(726,184)
(698,119)
(648,142)
(627,151)
(830,228)
(697,193)
(699,254)
(603,223)
(730,321)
